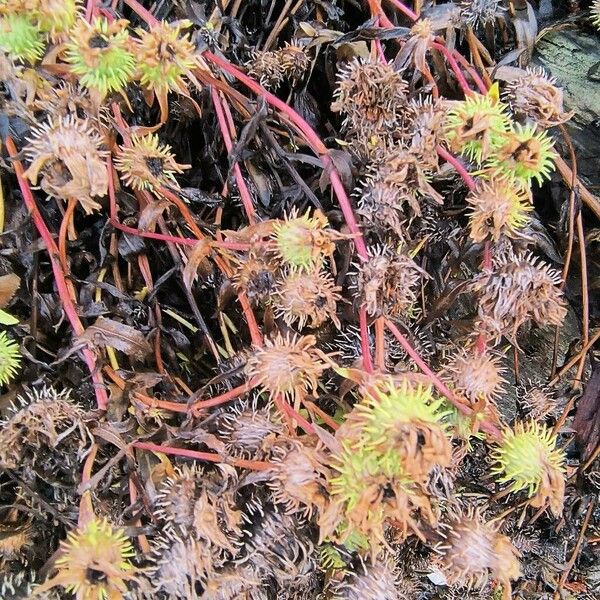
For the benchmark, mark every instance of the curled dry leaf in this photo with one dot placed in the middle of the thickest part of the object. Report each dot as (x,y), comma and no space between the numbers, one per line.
(106,332)
(9,284)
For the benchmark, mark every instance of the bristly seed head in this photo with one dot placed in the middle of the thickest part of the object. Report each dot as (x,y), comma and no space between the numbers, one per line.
(10,358)
(21,38)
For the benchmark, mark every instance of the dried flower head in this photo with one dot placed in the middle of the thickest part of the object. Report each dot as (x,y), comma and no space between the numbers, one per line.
(290,365)
(303,242)
(382,205)
(164,56)
(67,155)
(479,13)
(425,129)
(255,275)
(57,17)
(99,53)
(476,375)
(147,164)
(94,562)
(249,432)
(534,96)
(10,358)
(16,539)
(388,282)
(474,551)
(373,580)
(525,154)
(538,400)
(476,126)
(497,208)
(21,38)
(266,68)
(299,476)
(43,419)
(307,298)
(369,93)
(294,61)
(65,99)
(517,290)
(527,459)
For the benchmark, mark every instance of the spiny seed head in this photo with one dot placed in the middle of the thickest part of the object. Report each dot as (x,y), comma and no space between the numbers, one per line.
(369,92)
(254,274)
(476,126)
(479,13)
(299,475)
(534,96)
(498,208)
(266,68)
(290,365)
(65,99)
(388,282)
(527,459)
(94,562)
(302,242)
(21,38)
(15,541)
(147,164)
(10,358)
(519,288)
(294,60)
(57,17)
(307,298)
(538,400)
(402,417)
(99,53)
(476,375)
(526,154)
(474,551)
(164,56)
(67,154)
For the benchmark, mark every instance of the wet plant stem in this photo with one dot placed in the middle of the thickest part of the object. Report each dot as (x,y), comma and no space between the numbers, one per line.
(64,288)
(255,465)
(458,165)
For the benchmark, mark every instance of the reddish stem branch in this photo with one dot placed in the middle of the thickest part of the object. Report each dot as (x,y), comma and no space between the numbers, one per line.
(225,397)
(59,275)
(256,465)
(411,14)
(435,380)
(472,72)
(458,165)
(454,66)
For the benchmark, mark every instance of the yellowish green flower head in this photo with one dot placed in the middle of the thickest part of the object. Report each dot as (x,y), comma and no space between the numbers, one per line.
(99,54)
(10,358)
(21,38)
(525,155)
(525,455)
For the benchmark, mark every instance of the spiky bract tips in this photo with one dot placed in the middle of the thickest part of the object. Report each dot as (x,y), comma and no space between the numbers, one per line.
(498,208)
(68,156)
(303,242)
(10,358)
(526,154)
(307,298)
(595,13)
(519,288)
(21,38)
(147,164)
(527,459)
(57,17)
(473,552)
(476,126)
(290,365)
(94,562)
(476,375)
(99,54)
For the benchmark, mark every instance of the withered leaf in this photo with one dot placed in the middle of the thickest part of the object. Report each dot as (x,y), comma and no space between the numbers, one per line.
(342,161)
(106,332)
(587,417)
(151,213)
(196,259)
(9,284)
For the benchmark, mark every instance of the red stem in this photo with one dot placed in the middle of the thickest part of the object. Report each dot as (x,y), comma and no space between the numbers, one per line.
(472,72)
(225,397)
(256,465)
(59,276)
(405,10)
(458,165)
(454,66)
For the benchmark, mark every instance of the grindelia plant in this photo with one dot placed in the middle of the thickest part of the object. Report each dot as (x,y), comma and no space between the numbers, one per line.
(94,562)
(99,53)
(527,459)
